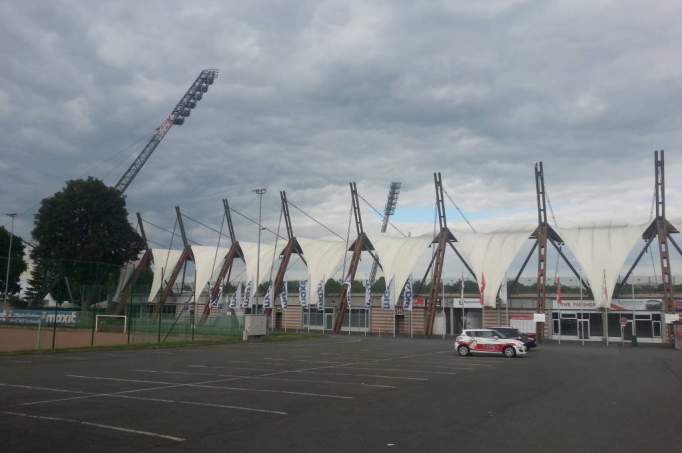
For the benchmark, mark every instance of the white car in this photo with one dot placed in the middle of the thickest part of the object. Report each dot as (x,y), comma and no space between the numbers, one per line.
(488,341)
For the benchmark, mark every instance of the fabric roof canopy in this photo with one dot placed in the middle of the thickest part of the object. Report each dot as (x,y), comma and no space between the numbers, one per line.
(323,258)
(250,250)
(207,264)
(601,252)
(398,257)
(490,255)
(124,276)
(164,262)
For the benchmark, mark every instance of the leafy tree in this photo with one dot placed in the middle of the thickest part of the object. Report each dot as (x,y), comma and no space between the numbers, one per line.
(17,265)
(83,235)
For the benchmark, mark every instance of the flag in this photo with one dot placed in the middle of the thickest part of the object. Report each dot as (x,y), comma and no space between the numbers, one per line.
(386,300)
(349,295)
(267,300)
(303,292)
(246,301)
(320,293)
(368,293)
(235,297)
(284,296)
(606,291)
(482,288)
(214,303)
(558,291)
(407,296)
(461,290)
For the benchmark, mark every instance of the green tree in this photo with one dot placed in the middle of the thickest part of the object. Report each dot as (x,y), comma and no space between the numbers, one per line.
(17,265)
(83,235)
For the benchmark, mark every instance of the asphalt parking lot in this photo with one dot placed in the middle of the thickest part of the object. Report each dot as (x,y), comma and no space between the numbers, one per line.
(345,394)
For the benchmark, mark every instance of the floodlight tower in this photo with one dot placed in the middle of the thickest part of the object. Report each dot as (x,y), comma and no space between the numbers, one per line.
(389,210)
(177,117)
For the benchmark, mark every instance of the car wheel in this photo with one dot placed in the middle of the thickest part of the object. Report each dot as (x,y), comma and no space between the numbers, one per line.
(463,351)
(509,352)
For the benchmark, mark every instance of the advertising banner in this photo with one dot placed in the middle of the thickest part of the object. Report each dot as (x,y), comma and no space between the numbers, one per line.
(65,318)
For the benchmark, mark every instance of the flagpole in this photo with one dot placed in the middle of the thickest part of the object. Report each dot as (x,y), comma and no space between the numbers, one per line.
(442,307)
(581,305)
(508,298)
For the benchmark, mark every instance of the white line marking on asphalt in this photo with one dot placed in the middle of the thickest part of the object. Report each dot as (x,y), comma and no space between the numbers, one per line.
(216,387)
(97,425)
(311,381)
(87,395)
(379,376)
(21,361)
(411,370)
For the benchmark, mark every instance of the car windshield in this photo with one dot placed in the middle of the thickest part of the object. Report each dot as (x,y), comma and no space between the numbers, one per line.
(508,333)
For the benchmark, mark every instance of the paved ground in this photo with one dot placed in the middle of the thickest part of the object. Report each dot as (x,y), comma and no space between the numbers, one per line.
(345,394)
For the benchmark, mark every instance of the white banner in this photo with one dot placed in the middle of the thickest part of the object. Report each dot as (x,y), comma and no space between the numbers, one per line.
(235,297)
(303,293)
(246,301)
(215,302)
(320,294)
(267,300)
(284,296)
(407,295)
(368,293)
(386,299)
(349,296)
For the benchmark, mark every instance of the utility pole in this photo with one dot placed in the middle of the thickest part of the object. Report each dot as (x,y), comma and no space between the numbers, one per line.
(11,215)
(260,192)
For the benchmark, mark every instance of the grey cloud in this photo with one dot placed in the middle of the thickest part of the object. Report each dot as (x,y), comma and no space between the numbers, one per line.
(312,95)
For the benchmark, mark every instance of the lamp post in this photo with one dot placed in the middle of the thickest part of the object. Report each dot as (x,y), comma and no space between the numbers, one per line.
(260,192)
(11,215)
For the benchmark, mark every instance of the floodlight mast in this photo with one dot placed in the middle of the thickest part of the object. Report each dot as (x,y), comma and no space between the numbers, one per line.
(177,117)
(389,210)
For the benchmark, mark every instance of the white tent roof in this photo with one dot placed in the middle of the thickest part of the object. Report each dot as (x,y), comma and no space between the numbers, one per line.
(398,257)
(250,250)
(601,252)
(491,254)
(323,258)
(123,277)
(164,262)
(207,264)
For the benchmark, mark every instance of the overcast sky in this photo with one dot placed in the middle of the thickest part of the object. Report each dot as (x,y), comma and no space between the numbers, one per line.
(312,95)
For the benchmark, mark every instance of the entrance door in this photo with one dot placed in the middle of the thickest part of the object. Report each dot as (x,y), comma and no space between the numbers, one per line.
(584,329)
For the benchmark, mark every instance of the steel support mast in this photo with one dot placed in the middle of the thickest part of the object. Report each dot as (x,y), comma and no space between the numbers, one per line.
(235,251)
(292,247)
(177,117)
(185,256)
(443,238)
(361,244)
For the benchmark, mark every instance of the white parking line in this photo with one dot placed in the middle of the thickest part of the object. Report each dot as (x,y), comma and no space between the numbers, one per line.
(216,387)
(379,376)
(267,378)
(97,425)
(123,394)
(410,370)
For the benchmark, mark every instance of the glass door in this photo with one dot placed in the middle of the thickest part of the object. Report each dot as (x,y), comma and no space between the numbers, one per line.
(584,329)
